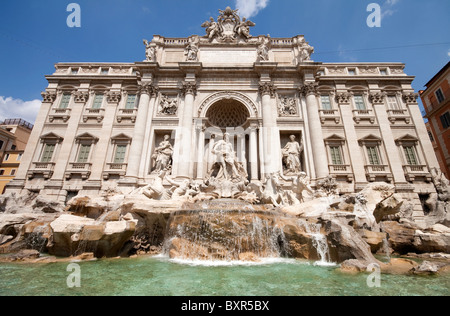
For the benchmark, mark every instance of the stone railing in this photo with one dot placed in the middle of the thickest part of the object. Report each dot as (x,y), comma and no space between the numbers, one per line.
(398,114)
(127,114)
(41,168)
(378,171)
(359,115)
(341,171)
(79,168)
(332,114)
(60,114)
(96,114)
(115,169)
(414,171)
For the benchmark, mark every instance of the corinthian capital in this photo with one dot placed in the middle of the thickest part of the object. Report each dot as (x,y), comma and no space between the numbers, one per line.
(377,98)
(343,97)
(308,89)
(189,88)
(49,97)
(148,88)
(80,96)
(267,88)
(113,97)
(410,97)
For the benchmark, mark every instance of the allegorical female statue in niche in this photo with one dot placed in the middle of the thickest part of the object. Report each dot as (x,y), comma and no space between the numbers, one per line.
(291,156)
(163,155)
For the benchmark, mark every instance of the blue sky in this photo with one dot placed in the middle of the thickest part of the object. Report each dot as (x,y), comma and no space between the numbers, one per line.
(34,35)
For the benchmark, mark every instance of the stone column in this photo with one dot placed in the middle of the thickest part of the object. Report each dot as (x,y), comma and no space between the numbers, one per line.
(200,151)
(189,91)
(422,133)
(146,150)
(137,144)
(270,131)
(393,155)
(210,155)
(356,158)
(253,154)
(315,129)
(261,152)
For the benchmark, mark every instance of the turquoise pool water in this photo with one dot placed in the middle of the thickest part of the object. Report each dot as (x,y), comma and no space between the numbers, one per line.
(156,276)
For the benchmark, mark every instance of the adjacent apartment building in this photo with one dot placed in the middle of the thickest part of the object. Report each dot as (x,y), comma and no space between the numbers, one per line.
(14,135)
(436,101)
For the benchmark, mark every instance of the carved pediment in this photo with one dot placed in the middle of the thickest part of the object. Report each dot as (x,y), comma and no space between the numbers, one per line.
(121,138)
(87,137)
(51,137)
(407,139)
(370,139)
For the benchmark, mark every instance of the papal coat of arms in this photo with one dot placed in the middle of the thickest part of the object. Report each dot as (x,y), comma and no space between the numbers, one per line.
(229,27)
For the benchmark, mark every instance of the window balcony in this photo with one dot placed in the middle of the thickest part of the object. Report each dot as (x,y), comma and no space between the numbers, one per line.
(94,114)
(60,114)
(341,171)
(329,115)
(412,172)
(395,115)
(127,114)
(79,168)
(361,115)
(378,173)
(45,169)
(115,169)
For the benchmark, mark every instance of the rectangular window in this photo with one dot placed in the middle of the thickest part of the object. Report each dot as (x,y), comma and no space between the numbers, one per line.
(119,156)
(445,120)
(83,155)
(383,72)
(374,158)
(98,101)
(19,157)
(13,172)
(359,102)
(47,155)
(410,155)
(336,157)
(7,157)
(2,172)
(1,144)
(352,72)
(440,95)
(326,102)
(131,102)
(105,71)
(65,100)
(392,102)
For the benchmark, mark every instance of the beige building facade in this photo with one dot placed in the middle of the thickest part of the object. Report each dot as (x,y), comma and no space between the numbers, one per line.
(104,125)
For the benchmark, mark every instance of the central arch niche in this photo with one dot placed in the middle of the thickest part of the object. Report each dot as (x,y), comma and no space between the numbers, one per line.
(227,113)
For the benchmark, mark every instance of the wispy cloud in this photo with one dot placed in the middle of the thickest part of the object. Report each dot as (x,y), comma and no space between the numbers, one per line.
(16,108)
(250,8)
(388,8)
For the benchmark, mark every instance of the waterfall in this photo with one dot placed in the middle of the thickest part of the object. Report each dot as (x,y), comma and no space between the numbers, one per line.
(216,231)
(320,243)
(223,235)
